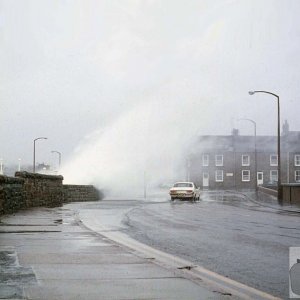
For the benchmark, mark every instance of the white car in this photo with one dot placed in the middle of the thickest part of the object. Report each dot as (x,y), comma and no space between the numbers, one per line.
(185,190)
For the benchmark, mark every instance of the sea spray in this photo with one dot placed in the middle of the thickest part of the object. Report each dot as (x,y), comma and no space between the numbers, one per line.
(149,140)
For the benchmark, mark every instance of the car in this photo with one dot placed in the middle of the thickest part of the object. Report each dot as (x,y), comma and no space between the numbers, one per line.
(185,190)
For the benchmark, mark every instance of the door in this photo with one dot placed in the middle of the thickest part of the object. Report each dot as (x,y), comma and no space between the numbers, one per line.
(260,178)
(205,180)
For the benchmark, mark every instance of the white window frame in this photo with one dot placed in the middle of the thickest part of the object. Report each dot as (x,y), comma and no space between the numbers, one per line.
(297,175)
(297,160)
(205,160)
(248,160)
(272,156)
(273,176)
(219,176)
(219,162)
(246,175)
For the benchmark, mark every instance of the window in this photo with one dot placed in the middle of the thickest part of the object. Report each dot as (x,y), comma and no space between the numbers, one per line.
(297,175)
(273,160)
(205,160)
(219,160)
(245,160)
(297,160)
(273,176)
(219,175)
(245,175)
(183,184)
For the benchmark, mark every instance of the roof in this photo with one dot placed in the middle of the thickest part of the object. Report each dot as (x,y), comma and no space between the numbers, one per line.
(245,143)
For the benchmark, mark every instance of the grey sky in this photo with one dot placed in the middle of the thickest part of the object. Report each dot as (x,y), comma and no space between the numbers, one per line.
(73,68)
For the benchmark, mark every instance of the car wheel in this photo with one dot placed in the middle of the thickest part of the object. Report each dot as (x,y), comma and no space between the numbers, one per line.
(172,198)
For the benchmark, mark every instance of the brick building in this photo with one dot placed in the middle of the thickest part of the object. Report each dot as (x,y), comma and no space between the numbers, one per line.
(228,161)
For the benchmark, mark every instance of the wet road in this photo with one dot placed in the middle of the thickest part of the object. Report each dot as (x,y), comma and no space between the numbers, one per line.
(223,233)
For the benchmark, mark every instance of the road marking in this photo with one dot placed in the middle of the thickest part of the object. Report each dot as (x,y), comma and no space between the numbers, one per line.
(170,261)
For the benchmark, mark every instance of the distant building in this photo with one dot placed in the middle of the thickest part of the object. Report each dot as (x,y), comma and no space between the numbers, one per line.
(228,161)
(43,168)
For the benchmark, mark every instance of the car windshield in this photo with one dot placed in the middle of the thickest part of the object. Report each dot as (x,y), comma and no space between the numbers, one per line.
(183,184)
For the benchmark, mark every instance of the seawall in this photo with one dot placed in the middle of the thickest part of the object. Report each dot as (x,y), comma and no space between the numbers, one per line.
(27,190)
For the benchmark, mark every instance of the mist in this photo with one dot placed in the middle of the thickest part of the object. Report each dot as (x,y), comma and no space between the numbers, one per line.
(122,88)
(146,143)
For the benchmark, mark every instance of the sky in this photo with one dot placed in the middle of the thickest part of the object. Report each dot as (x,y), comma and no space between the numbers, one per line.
(120,87)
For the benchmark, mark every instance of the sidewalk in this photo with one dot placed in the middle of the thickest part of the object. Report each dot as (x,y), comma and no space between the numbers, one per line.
(47,254)
(271,202)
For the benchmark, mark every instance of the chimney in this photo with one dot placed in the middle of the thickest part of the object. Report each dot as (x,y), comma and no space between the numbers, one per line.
(285,128)
(235,132)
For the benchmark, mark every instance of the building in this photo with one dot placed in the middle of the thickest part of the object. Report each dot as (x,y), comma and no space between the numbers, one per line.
(43,168)
(228,161)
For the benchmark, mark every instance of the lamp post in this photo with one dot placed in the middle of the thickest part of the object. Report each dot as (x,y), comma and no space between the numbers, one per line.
(255,152)
(145,185)
(1,166)
(19,165)
(279,190)
(59,156)
(39,138)
(188,166)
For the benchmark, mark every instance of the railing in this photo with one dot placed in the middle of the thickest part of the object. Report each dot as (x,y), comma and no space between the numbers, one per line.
(268,191)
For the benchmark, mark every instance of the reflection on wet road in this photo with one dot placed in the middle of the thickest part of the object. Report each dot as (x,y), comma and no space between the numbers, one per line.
(224,233)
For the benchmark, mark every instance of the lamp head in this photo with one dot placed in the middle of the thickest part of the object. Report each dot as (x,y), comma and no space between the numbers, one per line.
(40,138)
(251,93)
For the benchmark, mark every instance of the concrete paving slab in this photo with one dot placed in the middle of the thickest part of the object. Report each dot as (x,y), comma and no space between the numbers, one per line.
(38,216)
(12,275)
(84,243)
(77,258)
(128,289)
(11,291)
(20,275)
(64,248)
(83,235)
(23,228)
(100,271)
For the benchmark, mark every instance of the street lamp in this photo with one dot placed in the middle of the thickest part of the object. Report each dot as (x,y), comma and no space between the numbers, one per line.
(39,138)
(145,185)
(255,152)
(279,190)
(59,157)
(1,166)
(19,165)
(188,168)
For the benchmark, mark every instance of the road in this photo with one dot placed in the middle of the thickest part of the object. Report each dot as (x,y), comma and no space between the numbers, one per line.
(225,233)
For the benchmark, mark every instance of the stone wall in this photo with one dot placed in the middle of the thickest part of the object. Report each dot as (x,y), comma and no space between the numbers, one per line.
(27,190)
(11,194)
(41,189)
(75,193)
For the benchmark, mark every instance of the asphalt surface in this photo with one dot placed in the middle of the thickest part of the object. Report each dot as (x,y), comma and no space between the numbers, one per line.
(49,254)
(97,250)
(226,233)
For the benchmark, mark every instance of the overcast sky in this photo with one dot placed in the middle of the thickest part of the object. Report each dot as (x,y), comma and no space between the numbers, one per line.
(71,70)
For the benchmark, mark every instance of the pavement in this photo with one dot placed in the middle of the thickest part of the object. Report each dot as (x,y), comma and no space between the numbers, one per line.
(270,201)
(48,253)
